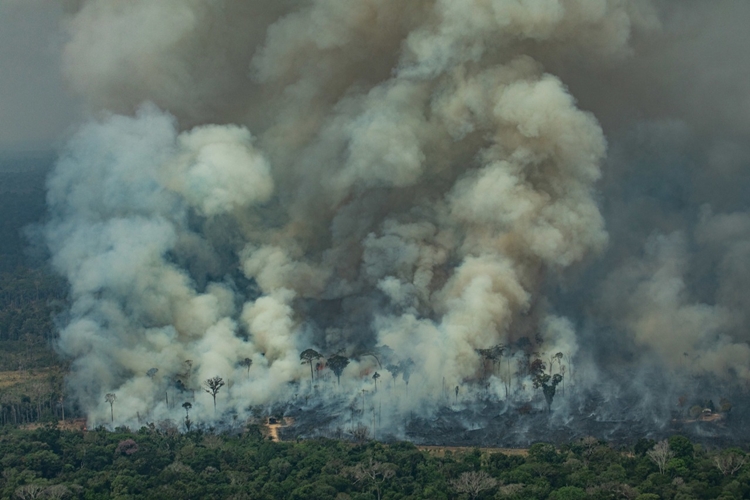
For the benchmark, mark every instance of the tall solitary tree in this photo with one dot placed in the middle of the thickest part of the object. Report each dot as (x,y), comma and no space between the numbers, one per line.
(555,358)
(375,377)
(337,364)
(308,356)
(542,380)
(492,354)
(151,373)
(407,367)
(111,398)
(187,407)
(247,363)
(186,376)
(212,387)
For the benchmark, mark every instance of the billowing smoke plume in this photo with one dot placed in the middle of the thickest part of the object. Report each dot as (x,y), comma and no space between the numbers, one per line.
(399,183)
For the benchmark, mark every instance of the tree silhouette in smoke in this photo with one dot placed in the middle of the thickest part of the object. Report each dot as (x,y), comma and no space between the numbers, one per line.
(556,358)
(548,383)
(247,363)
(407,367)
(187,405)
(308,356)
(151,373)
(492,354)
(395,371)
(111,398)
(338,363)
(525,347)
(213,387)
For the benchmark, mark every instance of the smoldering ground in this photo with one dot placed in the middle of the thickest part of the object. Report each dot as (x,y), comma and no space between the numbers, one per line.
(407,186)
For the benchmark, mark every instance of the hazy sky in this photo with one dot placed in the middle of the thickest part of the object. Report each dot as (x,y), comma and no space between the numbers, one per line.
(35,110)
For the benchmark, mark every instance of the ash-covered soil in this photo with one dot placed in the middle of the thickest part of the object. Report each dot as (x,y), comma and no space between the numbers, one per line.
(493,423)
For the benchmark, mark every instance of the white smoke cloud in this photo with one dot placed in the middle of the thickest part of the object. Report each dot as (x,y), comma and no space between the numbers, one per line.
(339,175)
(655,306)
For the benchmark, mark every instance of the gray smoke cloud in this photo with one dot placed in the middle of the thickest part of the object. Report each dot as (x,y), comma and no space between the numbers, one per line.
(35,111)
(416,182)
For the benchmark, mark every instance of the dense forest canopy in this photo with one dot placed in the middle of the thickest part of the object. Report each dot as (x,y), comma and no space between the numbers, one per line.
(159,462)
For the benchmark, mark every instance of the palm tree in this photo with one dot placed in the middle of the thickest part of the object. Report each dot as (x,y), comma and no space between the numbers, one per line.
(187,407)
(375,377)
(407,366)
(247,362)
(111,398)
(395,371)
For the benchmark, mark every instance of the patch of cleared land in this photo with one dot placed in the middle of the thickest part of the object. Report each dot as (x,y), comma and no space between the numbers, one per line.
(17,377)
(439,451)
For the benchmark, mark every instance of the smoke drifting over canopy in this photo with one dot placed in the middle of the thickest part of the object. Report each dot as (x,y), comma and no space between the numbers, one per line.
(412,180)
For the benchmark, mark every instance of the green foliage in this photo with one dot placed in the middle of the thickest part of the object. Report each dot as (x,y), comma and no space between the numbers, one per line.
(151,464)
(682,448)
(643,445)
(568,493)
(545,453)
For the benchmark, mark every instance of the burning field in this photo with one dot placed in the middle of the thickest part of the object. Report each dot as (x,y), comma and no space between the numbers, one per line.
(451,221)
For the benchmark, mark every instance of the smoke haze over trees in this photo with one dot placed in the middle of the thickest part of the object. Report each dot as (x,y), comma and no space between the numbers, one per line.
(422,182)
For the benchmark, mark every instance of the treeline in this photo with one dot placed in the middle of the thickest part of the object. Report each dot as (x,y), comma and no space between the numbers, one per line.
(161,463)
(34,396)
(31,373)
